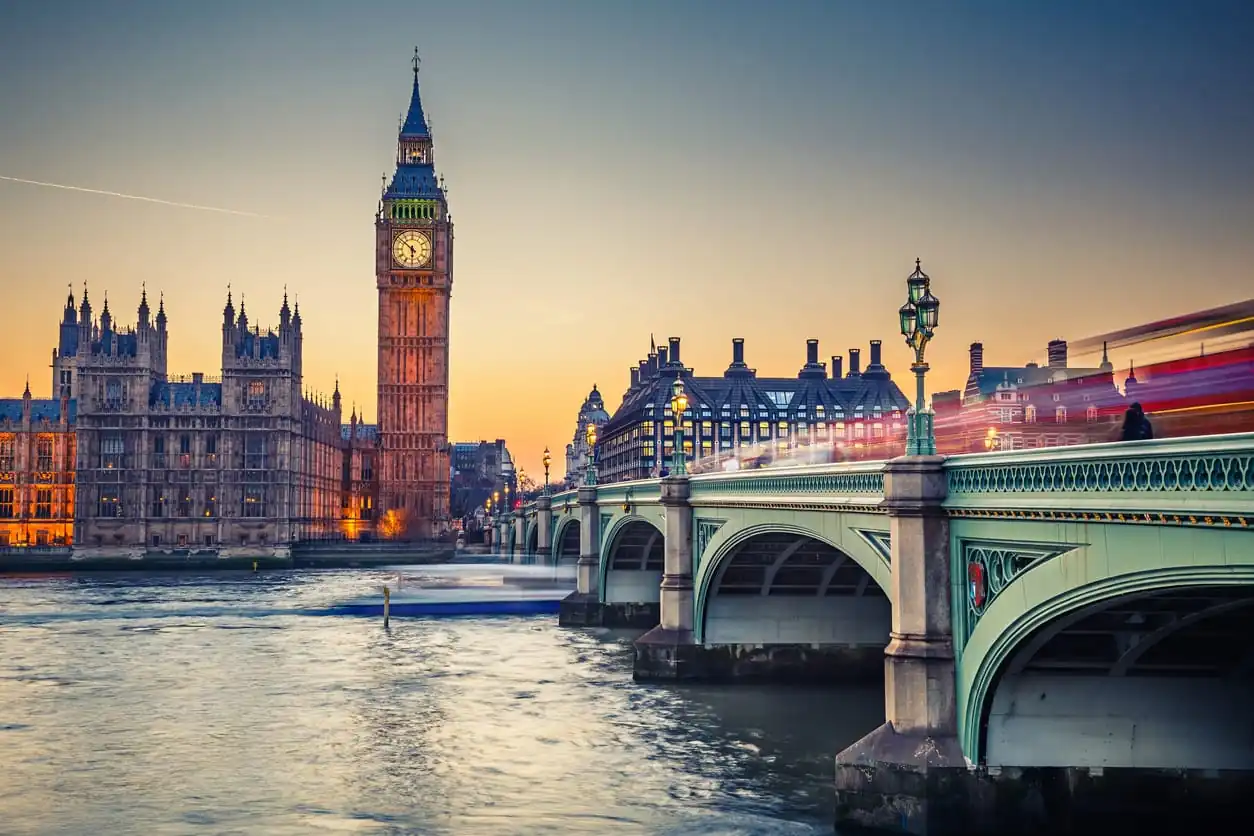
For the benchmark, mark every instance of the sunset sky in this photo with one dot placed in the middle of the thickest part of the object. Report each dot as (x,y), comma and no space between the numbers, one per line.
(707,170)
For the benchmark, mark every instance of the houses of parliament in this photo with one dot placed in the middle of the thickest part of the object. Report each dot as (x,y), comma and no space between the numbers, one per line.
(126,456)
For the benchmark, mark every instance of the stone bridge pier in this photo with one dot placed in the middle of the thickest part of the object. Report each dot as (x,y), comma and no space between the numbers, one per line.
(582,608)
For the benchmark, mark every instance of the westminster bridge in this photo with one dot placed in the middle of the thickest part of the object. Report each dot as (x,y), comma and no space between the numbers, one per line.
(1058,630)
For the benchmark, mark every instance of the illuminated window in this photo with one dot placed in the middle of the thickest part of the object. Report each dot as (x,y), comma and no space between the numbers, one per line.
(764,429)
(254,501)
(783,429)
(1091,413)
(43,504)
(6,504)
(6,453)
(1060,414)
(109,503)
(43,454)
(1029,414)
(668,427)
(744,429)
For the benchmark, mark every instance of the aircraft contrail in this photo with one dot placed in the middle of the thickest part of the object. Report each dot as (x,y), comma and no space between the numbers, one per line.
(138,197)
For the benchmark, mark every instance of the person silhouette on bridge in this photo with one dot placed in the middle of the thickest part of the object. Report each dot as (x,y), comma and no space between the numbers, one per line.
(1136,426)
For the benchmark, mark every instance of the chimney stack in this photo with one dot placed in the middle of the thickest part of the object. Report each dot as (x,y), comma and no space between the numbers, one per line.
(838,367)
(635,376)
(738,351)
(977,358)
(661,357)
(812,352)
(855,356)
(674,352)
(1057,350)
(875,353)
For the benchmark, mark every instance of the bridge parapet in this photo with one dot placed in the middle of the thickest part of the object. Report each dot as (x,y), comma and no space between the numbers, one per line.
(1183,481)
(859,484)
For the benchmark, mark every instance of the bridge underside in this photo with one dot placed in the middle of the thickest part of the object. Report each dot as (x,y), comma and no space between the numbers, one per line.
(785,607)
(567,545)
(633,577)
(1159,681)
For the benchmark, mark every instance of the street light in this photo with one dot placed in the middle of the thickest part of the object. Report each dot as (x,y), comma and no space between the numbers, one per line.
(919,317)
(679,405)
(548,460)
(591,477)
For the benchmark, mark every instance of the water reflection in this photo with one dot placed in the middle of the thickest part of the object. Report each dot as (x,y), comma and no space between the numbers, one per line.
(290,724)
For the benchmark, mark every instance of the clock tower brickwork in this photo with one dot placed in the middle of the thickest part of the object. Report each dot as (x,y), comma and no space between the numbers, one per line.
(414,275)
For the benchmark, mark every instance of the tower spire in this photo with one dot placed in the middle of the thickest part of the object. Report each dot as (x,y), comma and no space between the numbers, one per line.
(415,124)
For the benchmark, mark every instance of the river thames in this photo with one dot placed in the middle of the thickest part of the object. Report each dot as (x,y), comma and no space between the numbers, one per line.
(228,704)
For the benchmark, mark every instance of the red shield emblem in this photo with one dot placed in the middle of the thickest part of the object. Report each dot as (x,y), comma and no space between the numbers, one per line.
(975,581)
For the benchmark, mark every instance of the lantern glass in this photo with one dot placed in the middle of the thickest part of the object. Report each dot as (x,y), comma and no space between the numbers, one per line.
(679,401)
(908,314)
(916,288)
(592,435)
(929,311)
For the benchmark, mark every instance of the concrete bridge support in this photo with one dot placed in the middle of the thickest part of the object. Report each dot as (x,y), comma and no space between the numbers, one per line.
(582,608)
(544,530)
(519,552)
(1118,713)
(900,775)
(669,650)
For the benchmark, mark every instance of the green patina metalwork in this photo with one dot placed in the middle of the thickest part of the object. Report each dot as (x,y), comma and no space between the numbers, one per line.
(881,541)
(862,481)
(1001,563)
(604,528)
(703,532)
(1223,464)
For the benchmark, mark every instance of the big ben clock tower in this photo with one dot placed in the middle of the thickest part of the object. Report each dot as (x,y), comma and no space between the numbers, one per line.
(414,274)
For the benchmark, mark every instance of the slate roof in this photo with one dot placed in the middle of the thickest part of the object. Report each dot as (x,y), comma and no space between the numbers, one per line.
(183,395)
(768,398)
(41,408)
(365,432)
(269,345)
(415,121)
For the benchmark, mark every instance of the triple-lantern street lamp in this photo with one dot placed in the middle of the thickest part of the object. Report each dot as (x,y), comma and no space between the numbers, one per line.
(919,317)
(679,405)
(591,477)
(548,460)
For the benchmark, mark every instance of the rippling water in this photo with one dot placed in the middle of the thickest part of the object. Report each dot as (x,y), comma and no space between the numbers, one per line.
(217,704)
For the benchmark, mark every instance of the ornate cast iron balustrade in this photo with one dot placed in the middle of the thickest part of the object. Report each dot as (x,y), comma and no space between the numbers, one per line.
(1217,463)
(861,479)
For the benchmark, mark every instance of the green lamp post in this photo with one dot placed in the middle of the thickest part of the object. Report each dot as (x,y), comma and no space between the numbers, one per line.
(919,317)
(679,405)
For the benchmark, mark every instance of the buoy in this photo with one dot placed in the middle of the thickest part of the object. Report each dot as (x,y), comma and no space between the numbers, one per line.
(387,604)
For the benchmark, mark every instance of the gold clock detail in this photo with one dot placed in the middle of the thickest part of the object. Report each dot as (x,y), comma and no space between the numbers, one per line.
(411,248)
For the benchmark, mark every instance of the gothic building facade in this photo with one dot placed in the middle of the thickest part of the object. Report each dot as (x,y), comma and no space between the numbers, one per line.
(414,277)
(37,449)
(740,416)
(133,458)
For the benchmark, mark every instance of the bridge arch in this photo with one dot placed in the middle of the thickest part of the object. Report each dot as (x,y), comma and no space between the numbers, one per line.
(785,584)
(632,561)
(565,546)
(532,542)
(1153,669)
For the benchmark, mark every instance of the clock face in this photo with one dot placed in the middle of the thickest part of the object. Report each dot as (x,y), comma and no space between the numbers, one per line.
(411,248)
